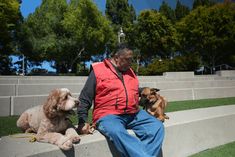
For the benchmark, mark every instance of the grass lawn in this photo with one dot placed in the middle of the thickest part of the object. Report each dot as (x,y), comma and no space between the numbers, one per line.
(8,124)
(193,104)
(227,150)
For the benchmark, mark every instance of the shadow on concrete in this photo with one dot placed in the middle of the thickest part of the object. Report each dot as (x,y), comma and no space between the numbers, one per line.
(69,153)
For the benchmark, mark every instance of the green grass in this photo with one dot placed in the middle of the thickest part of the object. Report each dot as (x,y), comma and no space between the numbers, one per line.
(227,150)
(8,124)
(193,104)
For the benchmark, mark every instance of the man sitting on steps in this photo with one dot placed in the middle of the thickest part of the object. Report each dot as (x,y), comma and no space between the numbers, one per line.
(113,86)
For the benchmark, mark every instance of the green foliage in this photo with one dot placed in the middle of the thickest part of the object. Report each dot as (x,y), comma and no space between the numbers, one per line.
(187,62)
(198,3)
(167,11)
(65,32)
(87,27)
(181,10)
(9,18)
(43,37)
(154,35)
(120,12)
(209,31)
(5,65)
(70,32)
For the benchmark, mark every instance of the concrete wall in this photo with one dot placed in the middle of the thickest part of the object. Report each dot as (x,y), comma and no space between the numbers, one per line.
(189,74)
(198,93)
(8,89)
(15,105)
(187,132)
(42,89)
(22,92)
(226,73)
(5,106)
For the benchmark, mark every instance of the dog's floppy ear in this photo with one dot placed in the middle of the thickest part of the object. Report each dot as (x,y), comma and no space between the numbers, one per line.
(50,106)
(155,89)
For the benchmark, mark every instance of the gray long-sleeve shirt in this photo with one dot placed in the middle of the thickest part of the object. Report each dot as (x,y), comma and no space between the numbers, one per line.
(86,97)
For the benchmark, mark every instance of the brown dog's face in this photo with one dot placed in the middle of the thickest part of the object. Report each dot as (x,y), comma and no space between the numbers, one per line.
(60,102)
(148,96)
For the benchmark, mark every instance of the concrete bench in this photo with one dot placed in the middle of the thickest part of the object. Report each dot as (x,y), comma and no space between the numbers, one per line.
(187,132)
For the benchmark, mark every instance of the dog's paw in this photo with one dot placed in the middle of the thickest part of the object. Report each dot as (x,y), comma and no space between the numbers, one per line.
(161,118)
(75,139)
(67,145)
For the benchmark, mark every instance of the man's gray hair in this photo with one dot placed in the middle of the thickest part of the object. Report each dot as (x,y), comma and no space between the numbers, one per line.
(121,49)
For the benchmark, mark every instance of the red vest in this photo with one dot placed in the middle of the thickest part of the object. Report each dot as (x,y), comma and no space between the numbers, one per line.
(114,96)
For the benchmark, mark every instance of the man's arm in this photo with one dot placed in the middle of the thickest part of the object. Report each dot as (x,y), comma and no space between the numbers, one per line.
(86,97)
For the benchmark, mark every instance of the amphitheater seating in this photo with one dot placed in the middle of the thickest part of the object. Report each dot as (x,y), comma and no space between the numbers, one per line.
(187,132)
(18,93)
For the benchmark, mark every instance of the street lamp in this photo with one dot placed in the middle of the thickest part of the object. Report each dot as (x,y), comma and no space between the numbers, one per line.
(121,35)
(23,72)
(73,61)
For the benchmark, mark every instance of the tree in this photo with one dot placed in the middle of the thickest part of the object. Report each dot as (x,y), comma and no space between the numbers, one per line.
(167,11)
(197,3)
(65,32)
(181,10)
(120,12)
(211,32)
(9,18)
(43,36)
(88,29)
(154,35)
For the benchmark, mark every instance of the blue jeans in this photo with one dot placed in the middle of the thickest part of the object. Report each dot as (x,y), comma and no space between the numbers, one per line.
(149,133)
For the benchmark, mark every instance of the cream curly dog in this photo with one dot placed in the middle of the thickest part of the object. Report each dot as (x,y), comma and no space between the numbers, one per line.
(50,122)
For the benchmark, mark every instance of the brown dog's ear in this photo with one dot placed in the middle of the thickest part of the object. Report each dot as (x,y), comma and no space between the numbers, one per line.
(50,106)
(155,89)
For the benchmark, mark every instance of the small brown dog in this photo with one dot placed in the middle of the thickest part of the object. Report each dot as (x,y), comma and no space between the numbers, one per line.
(50,121)
(153,103)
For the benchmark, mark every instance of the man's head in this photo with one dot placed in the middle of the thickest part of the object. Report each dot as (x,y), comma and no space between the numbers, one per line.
(122,57)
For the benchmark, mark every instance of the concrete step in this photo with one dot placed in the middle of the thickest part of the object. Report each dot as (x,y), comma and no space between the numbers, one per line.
(187,132)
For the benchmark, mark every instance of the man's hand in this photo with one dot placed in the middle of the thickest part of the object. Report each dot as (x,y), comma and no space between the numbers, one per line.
(85,128)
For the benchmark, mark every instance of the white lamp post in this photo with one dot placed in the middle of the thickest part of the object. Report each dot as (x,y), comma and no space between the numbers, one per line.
(121,36)
(23,73)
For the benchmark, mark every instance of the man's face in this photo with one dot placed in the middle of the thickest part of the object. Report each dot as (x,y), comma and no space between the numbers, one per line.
(123,61)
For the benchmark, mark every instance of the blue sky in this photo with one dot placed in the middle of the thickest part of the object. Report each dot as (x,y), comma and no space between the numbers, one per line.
(28,6)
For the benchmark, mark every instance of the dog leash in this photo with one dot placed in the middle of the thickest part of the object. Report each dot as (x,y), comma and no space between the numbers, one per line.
(31,136)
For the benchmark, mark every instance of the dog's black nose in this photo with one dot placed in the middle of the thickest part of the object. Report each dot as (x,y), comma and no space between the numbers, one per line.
(143,101)
(77,102)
